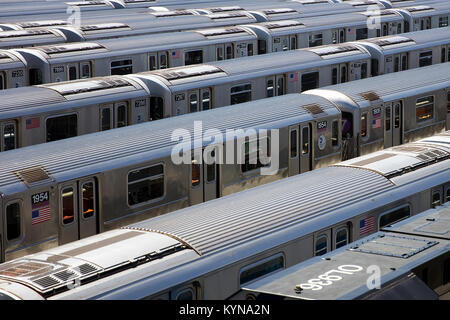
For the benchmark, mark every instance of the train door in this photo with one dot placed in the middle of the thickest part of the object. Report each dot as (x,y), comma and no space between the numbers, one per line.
(85,70)
(338,35)
(306,148)
(437,196)
(294,156)
(120,114)
(77,210)
(8,136)
(106,117)
(322,242)
(399,62)
(340,236)
(220,52)
(73,73)
(397,128)
(163,60)
(204,176)
(388,125)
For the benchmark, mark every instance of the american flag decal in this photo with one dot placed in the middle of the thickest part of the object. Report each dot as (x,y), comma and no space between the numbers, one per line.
(293,77)
(40,212)
(366,225)
(176,54)
(33,123)
(376,123)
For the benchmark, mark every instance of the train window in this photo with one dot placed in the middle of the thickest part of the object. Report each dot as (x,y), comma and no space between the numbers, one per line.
(396,64)
(343,74)
(424,108)
(321,245)
(385,30)
(106,118)
(206,99)
(163,60)
(250,49)
(193,57)
(229,54)
(378,33)
(269,88)
(363,70)
(68,205)
(334,75)
(121,115)
(285,44)
(2,81)
(156,108)
(399,28)
(447,194)
(293,143)
(443,55)
(315,40)
(374,67)
(253,157)
(211,170)
(241,93)
(443,22)
(13,221)
(195,177)
(394,216)
(293,43)
(404,62)
(145,184)
(88,204)
(61,127)
(426,59)
(85,70)
(261,268)
(305,140)
(262,48)
(436,199)
(341,36)
(341,237)
(185,294)
(219,53)
(387,125)
(152,64)
(362,33)
(280,86)
(193,102)
(121,67)
(73,73)
(310,81)
(335,133)
(364,125)
(397,114)
(35,76)
(8,136)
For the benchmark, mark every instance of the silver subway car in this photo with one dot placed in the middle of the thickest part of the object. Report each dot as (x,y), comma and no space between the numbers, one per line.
(230,242)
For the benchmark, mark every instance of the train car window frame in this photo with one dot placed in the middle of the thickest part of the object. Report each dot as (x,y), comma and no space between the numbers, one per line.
(335,133)
(3,143)
(364,129)
(250,50)
(229,51)
(2,80)
(305,141)
(152,61)
(425,58)
(64,115)
(293,143)
(387,118)
(103,125)
(270,88)
(156,108)
(72,72)
(436,198)
(397,108)
(121,66)
(443,54)
(184,291)
(220,53)
(424,103)
(19,225)
(340,243)
(121,121)
(253,271)
(443,22)
(362,33)
(193,56)
(250,168)
(364,70)
(211,169)
(193,107)
(163,60)
(448,101)
(308,78)
(321,248)
(447,193)
(69,219)
(293,42)
(84,64)
(91,212)
(149,178)
(195,174)
(206,101)
(397,209)
(241,93)
(315,40)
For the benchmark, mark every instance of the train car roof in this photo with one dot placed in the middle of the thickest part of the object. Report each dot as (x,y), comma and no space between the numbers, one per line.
(14,38)
(395,252)
(390,87)
(10,60)
(129,144)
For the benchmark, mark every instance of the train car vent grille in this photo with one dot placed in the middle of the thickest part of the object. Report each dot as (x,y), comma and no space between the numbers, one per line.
(36,24)
(422,157)
(377,13)
(408,149)
(314,109)
(393,245)
(86,269)
(418,8)
(278,11)
(23,33)
(86,3)
(104,26)
(370,96)
(83,86)
(306,2)
(330,50)
(389,41)
(34,175)
(70,47)
(282,24)
(187,72)
(46,282)
(24,269)
(65,275)
(373,159)
(226,15)
(363,3)
(164,14)
(220,31)
(225,9)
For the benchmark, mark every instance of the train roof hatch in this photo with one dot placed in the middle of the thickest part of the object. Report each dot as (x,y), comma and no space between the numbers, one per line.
(90,85)
(104,26)
(329,51)
(282,24)
(222,31)
(43,23)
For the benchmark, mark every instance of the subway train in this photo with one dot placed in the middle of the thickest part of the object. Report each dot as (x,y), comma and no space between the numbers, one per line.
(212,250)
(411,258)
(45,113)
(100,181)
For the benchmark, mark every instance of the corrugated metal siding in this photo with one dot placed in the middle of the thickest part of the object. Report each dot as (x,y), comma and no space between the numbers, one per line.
(27,97)
(393,83)
(97,148)
(252,214)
